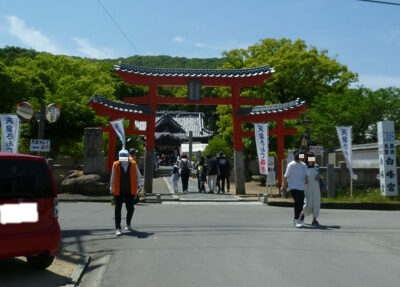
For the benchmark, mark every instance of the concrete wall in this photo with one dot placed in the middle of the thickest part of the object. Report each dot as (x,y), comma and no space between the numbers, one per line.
(367,177)
(360,158)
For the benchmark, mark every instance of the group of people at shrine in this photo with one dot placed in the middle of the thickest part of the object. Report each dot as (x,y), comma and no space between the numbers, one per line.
(211,171)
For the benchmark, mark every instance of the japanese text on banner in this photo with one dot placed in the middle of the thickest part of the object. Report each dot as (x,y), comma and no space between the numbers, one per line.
(344,134)
(261,135)
(119,129)
(9,133)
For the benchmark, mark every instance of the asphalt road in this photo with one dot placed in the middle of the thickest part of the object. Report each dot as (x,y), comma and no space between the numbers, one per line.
(233,245)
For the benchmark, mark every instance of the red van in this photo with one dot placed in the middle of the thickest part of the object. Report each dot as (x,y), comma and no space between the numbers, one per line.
(28,210)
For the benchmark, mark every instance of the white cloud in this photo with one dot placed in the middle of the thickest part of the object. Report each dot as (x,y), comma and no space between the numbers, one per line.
(179,39)
(375,82)
(30,37)
(90,51)
(199,44)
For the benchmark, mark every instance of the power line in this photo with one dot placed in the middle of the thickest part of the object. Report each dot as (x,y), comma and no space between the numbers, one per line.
(381,2)
(119,27)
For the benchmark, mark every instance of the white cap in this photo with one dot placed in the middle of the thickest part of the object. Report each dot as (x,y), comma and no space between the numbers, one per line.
(123,155)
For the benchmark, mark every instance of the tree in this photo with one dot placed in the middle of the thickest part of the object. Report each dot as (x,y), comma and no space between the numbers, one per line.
(300,71)
(215,145)
(360,108)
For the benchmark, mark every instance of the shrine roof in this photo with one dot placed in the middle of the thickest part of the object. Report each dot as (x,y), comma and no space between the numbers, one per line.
(181,122)
(271,109)
(122,107)
(189,73)
(167,120)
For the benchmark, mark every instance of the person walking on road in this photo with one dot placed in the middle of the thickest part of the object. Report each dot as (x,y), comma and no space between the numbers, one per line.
(125,184)
(312,191)
(184,168)
(295,179)
(175,177)
(212,172)
(224,170)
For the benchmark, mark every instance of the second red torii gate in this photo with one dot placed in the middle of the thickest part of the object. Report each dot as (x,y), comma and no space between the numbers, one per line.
(278,113)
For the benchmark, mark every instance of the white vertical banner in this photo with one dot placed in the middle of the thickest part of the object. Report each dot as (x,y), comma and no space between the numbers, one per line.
(261,135)
(9,133)
(387,158)
(344,134)
(119,129)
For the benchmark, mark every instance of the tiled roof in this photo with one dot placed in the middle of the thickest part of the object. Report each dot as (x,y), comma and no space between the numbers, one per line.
(187,121)
(271,109)
(123,107)
(367,146)
(168,124)
(205,73)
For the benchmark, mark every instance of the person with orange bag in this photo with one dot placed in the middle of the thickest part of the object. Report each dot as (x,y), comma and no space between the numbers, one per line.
(125,184)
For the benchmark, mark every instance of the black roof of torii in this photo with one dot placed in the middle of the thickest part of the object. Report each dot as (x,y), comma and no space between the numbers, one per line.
(122,107)
(271,109)
(215,73)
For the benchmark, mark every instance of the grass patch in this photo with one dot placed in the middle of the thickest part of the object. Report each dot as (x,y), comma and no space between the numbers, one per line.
(361,195)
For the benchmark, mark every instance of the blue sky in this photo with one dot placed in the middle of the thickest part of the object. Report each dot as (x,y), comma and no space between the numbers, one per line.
(363,36)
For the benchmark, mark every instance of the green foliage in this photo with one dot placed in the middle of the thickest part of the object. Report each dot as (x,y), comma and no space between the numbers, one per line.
(360,108)
(217,144)
(171,62)
(27,75)
(300,70)
(362,195)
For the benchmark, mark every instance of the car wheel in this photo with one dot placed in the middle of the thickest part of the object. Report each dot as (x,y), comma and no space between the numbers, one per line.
(40,261)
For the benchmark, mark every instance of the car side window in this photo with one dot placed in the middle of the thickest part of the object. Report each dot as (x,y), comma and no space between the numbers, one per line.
(24,177)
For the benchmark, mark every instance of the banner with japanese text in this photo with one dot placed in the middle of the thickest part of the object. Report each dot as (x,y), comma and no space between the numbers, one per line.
(261,135)
(9,133)
(344,134)
(387,158)
(119,129)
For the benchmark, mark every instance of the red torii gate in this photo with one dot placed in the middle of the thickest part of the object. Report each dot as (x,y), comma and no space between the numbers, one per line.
(115,110)
(144,108)
(278,113)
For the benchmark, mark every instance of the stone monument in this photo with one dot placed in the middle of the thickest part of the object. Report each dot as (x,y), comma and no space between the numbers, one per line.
(92,180)
(93,153)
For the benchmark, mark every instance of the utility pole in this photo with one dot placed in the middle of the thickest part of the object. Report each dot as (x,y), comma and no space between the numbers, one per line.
(41,120)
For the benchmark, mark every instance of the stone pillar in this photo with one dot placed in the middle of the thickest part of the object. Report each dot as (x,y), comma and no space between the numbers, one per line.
(148,171)
(330,180)
(344,174)
(239,172)
(190,145)
(93,151)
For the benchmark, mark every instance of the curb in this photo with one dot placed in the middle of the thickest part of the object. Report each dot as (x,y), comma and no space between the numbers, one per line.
(80,269)
(346,205)
(324,205)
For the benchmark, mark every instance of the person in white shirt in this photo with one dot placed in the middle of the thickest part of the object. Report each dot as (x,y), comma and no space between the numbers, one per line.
(295,179)
(312,192)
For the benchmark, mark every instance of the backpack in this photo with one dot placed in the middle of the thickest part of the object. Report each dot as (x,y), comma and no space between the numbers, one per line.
(185,167)
(222,162)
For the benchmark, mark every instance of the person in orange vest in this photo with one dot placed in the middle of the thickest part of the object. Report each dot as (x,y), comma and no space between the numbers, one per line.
(125,184)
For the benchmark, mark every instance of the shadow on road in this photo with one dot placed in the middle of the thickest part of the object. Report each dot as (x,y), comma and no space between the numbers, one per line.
(138,234)
(16,272)
(322,227)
